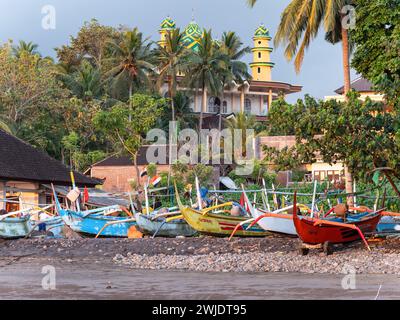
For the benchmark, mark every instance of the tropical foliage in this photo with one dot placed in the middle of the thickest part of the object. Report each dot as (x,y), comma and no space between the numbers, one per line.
(127,124)
(359,134)
(377,35)
(108,86)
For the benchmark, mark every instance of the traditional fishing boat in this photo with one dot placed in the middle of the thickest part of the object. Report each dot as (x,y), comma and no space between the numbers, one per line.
(218,221)
(334,230)
(389,223)
(13,228)
(52,226)
(21,227)
(279,221)
(96,222)
(155,224)
(20,224)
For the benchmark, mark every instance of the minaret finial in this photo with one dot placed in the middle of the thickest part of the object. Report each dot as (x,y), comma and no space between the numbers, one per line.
(192,14)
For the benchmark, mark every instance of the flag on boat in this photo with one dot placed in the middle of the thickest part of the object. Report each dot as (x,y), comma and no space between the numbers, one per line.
(85,195)
(143,173)
(155,180)
(243,203)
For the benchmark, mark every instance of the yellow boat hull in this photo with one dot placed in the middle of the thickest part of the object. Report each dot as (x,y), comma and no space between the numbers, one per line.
(220,225)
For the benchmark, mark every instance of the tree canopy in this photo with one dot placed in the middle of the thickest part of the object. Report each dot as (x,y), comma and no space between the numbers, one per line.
(359,134)
(377,37)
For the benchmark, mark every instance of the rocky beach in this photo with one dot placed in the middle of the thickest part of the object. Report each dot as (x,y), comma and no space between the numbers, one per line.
(207,254)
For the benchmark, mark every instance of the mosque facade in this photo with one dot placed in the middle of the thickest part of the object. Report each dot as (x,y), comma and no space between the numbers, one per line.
(254,96)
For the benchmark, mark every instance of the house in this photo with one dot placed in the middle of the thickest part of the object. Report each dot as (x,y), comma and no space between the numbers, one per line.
(318,170)
(25,170)
(363,86)
(117,171)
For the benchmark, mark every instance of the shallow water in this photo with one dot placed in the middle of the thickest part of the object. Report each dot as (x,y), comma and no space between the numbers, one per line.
(90,280)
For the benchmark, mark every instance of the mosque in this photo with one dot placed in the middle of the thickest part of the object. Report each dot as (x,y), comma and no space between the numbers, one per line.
(253,97)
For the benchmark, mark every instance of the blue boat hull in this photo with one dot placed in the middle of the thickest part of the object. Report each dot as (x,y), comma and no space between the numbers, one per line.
(388,225)
(54,225)
(92,224)
(14,228)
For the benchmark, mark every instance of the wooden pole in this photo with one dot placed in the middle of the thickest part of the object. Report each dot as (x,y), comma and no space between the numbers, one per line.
(313,198)
(391,183)
(74,187)
(146,195)
(198,194)
(4,195)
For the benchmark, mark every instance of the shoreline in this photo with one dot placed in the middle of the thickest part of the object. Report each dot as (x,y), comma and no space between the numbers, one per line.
(86,280)
(207,254)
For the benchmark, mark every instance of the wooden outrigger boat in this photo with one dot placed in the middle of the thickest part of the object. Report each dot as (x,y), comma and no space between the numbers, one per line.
(159,223)
(96,222)
(14,228)
(155,224)
(324,232)
(217,221)
(20,224)
(279,221)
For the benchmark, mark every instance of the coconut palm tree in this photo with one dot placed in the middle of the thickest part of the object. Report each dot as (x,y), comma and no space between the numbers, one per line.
(242,122)
(300,23)
(84,83)
(131,62)
(232,47)
(205,69)
(170,59)
(28,47)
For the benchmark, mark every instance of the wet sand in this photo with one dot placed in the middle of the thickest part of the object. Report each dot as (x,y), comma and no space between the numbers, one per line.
(90,280)
(86,269)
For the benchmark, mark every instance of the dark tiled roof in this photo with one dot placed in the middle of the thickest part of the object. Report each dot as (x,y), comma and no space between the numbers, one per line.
(359,85)
(21,162)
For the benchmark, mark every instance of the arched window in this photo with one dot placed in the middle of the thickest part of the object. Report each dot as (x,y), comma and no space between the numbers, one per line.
(259,70)
(247,106)
(214,103)
(259,55)
(191,104)
(225,107)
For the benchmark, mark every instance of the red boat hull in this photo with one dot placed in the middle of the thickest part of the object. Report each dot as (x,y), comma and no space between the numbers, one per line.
(316,234)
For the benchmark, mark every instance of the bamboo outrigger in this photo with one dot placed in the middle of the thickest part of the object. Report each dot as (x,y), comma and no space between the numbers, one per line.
(324,232)
(217,221)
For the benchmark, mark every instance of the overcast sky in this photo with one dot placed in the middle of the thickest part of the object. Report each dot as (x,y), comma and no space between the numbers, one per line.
(321,73)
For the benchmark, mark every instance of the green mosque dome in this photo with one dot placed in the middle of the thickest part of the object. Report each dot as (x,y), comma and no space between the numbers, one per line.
(168,24)
(262,32)
(192,36)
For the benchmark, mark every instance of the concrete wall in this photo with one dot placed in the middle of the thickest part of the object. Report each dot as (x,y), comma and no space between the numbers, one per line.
(117,177)
(280,142)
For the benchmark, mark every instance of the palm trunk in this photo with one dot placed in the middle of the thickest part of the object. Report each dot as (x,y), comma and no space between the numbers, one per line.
(346,61)
(171,96)
(203,107)
(347,87)
(130,102)
(173,134)
(137,172)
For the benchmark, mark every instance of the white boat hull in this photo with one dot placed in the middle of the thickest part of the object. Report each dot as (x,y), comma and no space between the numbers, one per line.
(275,224)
